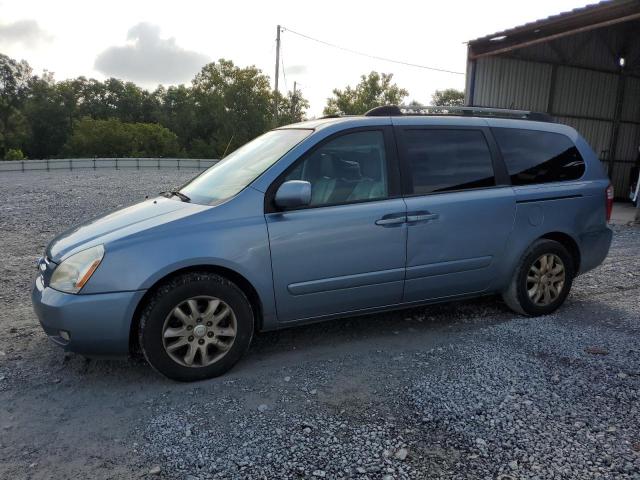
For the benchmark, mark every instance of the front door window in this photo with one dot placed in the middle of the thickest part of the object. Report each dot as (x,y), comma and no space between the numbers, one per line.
(350,168)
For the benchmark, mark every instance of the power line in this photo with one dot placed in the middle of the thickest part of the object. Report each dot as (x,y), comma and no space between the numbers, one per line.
(356,52)
(284,75)
(284,72)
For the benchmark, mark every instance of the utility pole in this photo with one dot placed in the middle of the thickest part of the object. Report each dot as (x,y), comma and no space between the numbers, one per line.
(277,70)
(294,98)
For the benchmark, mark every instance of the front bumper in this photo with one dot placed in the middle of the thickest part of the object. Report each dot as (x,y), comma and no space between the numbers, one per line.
(96,324)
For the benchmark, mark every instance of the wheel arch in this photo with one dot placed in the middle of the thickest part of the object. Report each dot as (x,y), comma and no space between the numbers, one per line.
(568,242)
(517,251)
(242,282)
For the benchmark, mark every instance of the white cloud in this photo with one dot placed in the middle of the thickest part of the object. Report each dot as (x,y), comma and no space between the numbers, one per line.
(23,32)
(296,70)
(149,58)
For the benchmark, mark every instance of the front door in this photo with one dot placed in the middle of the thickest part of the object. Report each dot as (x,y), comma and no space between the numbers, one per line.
(460,211)
(346,251)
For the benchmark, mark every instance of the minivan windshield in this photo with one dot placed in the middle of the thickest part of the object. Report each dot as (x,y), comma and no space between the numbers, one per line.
(241,167)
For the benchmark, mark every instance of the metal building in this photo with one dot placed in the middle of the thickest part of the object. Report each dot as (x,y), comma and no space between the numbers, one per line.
(582,67)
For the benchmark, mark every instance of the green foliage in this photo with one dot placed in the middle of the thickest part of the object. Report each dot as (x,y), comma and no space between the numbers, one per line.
(449,97)
(224,107)
(291,108)
(14,81)
(232,105)
(373,90)
(49,124)
(14,154)
(200,148)
(114,138)
(177,113)
(112,98)
(14,131)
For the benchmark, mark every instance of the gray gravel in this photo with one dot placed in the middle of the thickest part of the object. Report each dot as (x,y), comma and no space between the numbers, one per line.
(463,390)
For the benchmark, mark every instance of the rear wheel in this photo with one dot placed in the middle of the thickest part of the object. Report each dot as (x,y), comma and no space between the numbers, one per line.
(542,279)
(196,326)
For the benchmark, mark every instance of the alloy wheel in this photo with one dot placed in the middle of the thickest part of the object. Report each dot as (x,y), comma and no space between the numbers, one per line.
(545,279)
(199,331)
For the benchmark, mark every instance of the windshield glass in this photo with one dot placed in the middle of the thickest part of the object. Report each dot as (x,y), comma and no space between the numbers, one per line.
(241,167)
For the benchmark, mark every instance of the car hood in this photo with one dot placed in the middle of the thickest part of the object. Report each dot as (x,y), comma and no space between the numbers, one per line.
(123,222)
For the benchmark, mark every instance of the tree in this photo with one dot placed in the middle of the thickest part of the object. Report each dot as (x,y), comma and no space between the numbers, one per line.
(113,138)
(232,105)
(291,108)
(14,80)
(223,108)
(14,154)
(373,90)
(46,114)
(153,140)
(177,113)
(449,97)
(130,103)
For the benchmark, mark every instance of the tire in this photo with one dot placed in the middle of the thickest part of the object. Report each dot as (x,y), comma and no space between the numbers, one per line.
(199,317)
(517,295)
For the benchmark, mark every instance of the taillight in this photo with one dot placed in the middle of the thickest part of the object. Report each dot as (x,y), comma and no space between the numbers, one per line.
(609,200)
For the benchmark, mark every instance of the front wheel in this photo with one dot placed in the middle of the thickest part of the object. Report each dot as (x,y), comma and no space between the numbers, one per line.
(196,326)
(542,279)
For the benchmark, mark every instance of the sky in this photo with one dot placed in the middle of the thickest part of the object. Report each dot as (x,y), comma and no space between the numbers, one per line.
(154,41)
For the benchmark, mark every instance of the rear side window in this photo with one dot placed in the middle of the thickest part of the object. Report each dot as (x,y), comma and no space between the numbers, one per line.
(532,156)
(447,160)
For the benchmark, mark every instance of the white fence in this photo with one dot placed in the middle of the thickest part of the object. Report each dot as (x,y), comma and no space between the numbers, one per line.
(99,163)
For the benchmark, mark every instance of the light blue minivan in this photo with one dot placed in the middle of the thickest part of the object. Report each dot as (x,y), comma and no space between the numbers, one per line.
(330,218)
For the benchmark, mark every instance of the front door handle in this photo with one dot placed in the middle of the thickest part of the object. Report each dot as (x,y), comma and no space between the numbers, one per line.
(422,217)
(392,219)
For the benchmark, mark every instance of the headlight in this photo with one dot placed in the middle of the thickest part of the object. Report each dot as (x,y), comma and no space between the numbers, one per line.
(72,274)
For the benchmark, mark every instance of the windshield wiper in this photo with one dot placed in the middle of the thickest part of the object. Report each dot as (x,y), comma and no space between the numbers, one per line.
(176,193)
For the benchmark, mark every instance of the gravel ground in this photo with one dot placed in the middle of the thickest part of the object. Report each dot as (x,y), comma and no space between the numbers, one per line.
(463,390)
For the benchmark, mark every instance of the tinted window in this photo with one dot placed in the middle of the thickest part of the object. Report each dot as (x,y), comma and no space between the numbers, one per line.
(350,168)
(538,157)
(442,160)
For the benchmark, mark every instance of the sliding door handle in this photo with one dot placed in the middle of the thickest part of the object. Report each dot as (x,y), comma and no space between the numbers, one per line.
(422,217)
(392,219)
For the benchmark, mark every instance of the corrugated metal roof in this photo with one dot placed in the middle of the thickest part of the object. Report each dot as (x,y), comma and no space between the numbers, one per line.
(555,26)
(543,21)
(586,49)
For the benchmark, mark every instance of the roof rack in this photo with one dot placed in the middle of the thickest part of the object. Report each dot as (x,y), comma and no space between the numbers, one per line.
(415,109)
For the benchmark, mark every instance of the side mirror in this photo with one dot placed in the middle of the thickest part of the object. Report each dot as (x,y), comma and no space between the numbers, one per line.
(293,194)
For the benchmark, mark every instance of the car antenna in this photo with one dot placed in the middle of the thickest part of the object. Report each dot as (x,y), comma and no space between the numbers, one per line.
(228,144)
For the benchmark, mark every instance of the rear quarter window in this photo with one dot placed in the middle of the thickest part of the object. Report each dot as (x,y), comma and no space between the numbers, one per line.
(532,156)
